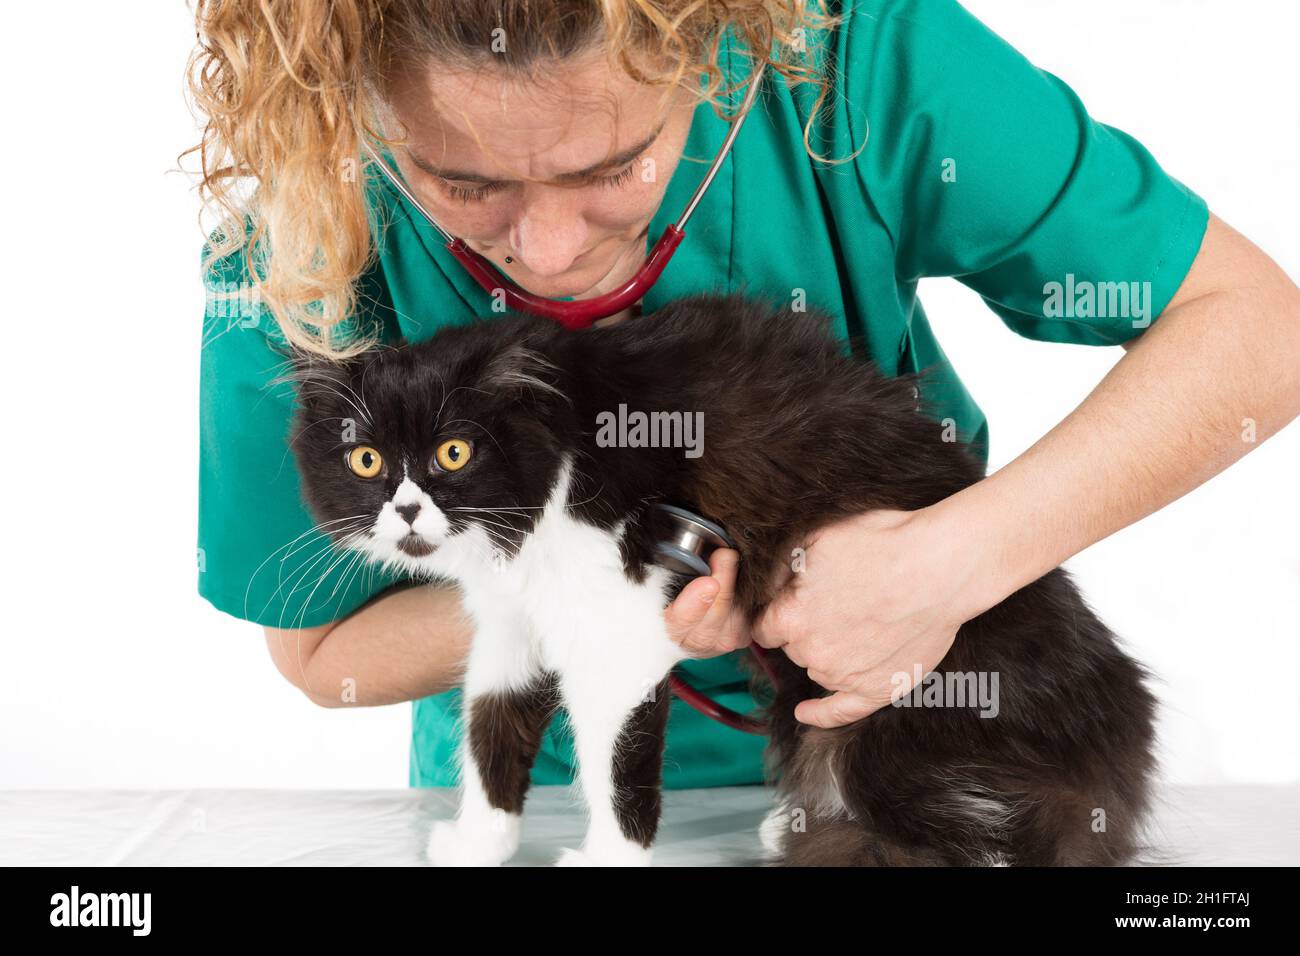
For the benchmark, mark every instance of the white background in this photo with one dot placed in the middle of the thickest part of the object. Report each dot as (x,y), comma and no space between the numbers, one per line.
(116,674)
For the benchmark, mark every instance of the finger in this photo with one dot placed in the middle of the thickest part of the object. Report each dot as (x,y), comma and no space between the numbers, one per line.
(771,630)
(836,710)
(795,653)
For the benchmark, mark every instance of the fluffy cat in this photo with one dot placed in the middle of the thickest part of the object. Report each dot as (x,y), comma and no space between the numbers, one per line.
(477,458)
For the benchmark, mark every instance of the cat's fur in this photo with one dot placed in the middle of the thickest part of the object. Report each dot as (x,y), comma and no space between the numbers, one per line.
(551,538)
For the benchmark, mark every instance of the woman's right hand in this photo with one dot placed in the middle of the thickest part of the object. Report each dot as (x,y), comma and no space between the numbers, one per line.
(703,619)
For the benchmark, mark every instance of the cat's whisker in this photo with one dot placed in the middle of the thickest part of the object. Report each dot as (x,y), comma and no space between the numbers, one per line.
(438,423)
(317,528)
(501,515)
(502,508)
(354,572)
(288,447)
(320,421)
(496,535)
(323,386)
(346,529)
(364,373)
(323,378)
(578,504)
(328,547)
(343,581)
(442,383)
(498,524)
(501,544)
(306,605)
(365,409)
(297,577)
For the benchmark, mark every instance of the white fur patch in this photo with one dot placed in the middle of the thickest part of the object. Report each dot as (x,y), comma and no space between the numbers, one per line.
(772,831)
(562,604)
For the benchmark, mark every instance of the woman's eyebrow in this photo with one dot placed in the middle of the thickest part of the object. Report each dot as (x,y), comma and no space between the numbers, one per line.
(622,158)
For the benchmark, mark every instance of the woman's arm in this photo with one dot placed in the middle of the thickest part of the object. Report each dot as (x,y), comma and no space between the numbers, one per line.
(404,644)
(412,642)
(1217,374)
(1213,377)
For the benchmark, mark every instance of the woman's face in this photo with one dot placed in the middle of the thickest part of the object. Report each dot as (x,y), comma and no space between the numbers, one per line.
(562,176)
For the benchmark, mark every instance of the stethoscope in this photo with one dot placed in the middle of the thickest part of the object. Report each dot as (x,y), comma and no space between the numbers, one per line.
(686,549)
(578,314)
(693,538)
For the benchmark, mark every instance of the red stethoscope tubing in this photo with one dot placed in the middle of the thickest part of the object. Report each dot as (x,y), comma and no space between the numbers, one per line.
(715,711)
(573,315)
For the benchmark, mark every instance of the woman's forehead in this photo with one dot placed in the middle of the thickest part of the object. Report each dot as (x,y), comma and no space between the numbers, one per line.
(483,124)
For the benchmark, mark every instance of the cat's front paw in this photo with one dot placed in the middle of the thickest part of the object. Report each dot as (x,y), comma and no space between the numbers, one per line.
(458,843)
(570,857)
(625,854)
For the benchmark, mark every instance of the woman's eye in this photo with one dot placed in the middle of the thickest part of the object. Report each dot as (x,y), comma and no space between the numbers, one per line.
(619,178)
(470,194)
(454,454)
(365,462)
(478,193)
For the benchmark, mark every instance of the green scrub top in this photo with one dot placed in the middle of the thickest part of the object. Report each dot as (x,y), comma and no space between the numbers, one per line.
(977,165)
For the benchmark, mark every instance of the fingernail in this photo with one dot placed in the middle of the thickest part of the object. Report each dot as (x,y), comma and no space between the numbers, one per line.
(708,597)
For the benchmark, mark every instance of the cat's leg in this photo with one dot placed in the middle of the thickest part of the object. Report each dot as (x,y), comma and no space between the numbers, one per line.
(618,714)
(507,702)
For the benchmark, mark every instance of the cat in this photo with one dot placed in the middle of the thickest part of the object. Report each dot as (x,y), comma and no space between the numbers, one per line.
(478,458)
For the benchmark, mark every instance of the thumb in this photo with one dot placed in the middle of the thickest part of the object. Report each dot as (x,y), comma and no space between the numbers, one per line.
(835,711)
(694,601)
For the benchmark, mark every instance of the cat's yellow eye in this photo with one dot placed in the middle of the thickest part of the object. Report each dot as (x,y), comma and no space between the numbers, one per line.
(365,462)
(453,454)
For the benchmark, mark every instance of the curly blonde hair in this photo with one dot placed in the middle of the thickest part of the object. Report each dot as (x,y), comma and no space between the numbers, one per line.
(287,88)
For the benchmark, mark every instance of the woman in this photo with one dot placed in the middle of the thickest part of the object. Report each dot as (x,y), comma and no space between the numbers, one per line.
(891,141)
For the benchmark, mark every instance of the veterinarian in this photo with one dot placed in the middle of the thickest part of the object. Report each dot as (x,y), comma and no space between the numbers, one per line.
(558,140)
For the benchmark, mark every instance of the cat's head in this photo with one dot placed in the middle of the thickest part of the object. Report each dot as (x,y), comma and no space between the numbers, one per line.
(404,447)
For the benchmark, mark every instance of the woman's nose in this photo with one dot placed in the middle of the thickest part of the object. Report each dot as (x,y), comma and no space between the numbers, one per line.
(550,232)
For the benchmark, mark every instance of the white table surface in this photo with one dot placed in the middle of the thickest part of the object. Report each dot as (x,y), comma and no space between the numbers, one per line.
(1202,825)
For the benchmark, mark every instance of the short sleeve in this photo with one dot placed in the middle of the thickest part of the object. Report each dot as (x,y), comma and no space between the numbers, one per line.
(987,169)
(259,555)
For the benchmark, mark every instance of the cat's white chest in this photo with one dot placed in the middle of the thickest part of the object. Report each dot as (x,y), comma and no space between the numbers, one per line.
(567,588)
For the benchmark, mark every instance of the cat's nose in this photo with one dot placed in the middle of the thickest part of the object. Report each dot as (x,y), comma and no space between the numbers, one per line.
(409,512)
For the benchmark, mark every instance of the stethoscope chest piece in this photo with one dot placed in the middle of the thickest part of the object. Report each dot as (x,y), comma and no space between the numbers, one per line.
(689,542)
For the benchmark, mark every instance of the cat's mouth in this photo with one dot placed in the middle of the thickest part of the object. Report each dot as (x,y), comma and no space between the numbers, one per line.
(416,545)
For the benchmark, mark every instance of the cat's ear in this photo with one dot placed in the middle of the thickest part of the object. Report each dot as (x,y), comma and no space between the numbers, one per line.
(516,370)
(302,367)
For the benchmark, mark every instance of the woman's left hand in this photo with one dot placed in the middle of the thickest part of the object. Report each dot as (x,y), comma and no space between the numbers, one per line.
(874,597)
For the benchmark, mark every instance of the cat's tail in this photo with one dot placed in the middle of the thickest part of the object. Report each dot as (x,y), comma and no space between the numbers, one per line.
(951,818)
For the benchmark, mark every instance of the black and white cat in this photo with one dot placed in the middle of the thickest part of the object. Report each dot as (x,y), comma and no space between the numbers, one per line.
(478,456)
